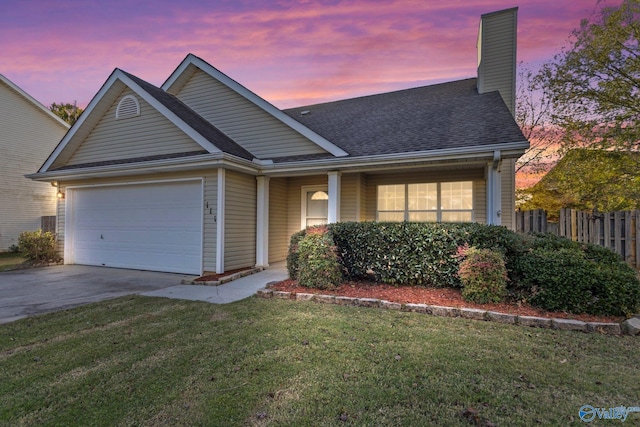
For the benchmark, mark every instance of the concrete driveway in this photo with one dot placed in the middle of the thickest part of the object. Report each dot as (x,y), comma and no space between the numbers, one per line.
(26,293)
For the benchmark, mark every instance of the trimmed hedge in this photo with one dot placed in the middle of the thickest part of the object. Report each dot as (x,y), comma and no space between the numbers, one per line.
(318,265)
(549,272)
(484,276)
(38,246)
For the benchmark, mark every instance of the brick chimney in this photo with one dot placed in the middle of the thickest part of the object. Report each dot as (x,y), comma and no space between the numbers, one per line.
(497,54)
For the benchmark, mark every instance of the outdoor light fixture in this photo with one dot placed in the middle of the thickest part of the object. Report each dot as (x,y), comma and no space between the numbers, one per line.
(60,195)
(320,195)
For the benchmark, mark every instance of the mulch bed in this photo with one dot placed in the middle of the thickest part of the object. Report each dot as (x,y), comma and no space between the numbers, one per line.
(433,296)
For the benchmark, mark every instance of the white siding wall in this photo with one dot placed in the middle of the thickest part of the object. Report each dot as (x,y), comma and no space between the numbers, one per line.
(210,227)
(497,55)
(27,137)
(240,221)
(247,124)
(149,134)
(278,225)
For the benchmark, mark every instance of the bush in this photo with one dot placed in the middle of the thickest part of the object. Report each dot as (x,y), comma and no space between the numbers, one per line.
(561,275)
(293,264)
(38,246)
(483,275)
(318,265)
(403,253)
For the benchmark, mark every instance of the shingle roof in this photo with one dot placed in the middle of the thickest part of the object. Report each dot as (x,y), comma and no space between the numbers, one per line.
(193,119)
(447,115)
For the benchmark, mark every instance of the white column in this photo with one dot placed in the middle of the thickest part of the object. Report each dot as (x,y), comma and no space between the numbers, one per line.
(334,196)
(220,222)
(262,222)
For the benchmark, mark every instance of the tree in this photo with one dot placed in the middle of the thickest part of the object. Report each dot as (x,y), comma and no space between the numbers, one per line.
(595,84)
(588,179)
(534,116)
(67,112)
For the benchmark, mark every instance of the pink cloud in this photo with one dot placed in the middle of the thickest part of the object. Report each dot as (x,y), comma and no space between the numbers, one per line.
(290,52)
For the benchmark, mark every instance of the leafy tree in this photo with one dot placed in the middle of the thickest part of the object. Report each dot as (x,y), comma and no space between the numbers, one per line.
(67,112)
(584,179)
(595,84)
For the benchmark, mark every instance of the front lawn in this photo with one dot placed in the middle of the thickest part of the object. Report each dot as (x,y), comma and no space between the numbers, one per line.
(10,260)
(153,361)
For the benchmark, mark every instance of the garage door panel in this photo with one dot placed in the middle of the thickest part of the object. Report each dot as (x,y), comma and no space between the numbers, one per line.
(146,226)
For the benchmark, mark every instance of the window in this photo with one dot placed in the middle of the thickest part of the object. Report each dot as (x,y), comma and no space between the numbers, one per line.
(426,202)
(315,205)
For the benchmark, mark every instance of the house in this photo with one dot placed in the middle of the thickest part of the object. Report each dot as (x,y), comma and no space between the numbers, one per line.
(28,133)
(202,174)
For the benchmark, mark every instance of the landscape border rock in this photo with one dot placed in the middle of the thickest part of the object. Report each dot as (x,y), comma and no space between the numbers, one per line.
(628,327)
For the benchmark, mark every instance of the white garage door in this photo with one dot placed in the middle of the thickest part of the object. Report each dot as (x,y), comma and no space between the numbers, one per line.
(143,226)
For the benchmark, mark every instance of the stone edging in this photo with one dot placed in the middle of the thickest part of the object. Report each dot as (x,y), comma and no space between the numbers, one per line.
(629,327)
(224,279)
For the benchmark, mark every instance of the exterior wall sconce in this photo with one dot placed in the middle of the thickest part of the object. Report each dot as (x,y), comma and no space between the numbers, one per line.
(60,195)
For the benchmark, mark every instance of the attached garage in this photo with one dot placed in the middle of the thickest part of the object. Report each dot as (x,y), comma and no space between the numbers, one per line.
(147,226)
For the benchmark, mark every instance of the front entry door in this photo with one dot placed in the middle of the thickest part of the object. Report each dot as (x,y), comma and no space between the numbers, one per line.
(315,206)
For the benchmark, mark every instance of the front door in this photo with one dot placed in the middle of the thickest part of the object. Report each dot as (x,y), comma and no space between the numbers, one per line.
(315,206)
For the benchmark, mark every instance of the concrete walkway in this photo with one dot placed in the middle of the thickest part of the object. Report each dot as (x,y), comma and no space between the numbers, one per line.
(229,292)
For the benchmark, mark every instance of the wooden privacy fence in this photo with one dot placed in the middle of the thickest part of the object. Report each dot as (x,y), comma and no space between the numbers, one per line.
(619,231)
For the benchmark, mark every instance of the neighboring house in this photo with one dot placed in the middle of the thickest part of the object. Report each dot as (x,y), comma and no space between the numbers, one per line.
(204,175)
(28,133)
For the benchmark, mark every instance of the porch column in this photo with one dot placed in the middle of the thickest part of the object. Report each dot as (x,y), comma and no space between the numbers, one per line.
(220,222)
(334,188)
(494,190)
(262,222)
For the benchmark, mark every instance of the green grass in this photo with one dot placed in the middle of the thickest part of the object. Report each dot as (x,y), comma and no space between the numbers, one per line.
(147,361)
(9,260)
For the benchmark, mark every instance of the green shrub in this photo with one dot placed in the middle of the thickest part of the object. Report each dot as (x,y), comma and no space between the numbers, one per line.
(561,275)
(483,275)
(318,265)
(403,253)
(38,246)
(293,264)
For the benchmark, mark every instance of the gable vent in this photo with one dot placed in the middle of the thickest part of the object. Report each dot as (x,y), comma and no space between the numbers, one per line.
(128,107)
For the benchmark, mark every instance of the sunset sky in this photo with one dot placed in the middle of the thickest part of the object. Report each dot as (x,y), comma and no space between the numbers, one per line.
(289,52)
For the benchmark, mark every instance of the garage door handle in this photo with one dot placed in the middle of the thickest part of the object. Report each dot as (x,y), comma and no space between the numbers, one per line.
(101,236)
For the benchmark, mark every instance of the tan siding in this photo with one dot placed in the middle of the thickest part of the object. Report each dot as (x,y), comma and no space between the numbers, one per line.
(27,137)
(349,197)
(416,177)
(246,123)
(498,53)
(363,198)
(210,227)
(240,221)
(278,226)
(480,201)
(508,191)
(60,225)
(146,135)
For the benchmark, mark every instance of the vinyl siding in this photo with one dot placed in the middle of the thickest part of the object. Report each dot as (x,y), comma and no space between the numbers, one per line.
(240,221)
(149,134)
(497,55)
(278,220)
(475,175)
(209,221)
(27,137)
(508,191)
(250,126)
(349,197)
